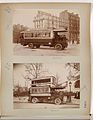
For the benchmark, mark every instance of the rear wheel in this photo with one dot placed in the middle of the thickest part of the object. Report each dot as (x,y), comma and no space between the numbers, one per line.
(57,101)
(31,45)
(58,46)
(34,100)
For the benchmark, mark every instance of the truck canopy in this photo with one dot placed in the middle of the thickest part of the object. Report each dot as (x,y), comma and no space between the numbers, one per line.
(41,34)
(37,34)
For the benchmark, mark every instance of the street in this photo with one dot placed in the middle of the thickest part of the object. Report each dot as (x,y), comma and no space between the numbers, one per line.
(71,50)
(43,106)
(22,102)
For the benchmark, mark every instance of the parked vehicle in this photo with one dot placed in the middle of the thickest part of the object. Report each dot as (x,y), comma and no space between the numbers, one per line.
(45,90)
(53,38)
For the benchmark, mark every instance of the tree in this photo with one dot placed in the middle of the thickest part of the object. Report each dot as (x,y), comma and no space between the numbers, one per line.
(35,70)
(16,32)
(57,78)
(74,71)
(75,66)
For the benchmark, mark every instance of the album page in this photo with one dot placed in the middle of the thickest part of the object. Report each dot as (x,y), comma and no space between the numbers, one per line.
(0,61)
(91,29)
(46,60)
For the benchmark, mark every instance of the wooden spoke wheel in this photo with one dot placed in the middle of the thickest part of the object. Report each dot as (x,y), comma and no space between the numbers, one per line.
(31,45)
(34,100)
(57,101)
(58,46)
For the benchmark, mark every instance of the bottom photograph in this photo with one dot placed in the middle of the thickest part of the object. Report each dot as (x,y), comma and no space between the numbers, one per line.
(46,85)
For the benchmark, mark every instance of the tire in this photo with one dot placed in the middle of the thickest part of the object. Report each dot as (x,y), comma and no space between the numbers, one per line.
(57,101)
(31,45)
(58,46)
(37,46)
(34,100)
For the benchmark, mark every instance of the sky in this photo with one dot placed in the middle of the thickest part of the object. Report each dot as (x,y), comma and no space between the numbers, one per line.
(26,16)
(53,70)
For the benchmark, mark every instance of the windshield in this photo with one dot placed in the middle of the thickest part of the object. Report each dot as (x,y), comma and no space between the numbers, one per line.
(60,33)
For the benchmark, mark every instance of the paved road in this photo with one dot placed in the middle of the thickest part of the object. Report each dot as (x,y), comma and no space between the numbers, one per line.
(71,50)
(44,106)
(22,102)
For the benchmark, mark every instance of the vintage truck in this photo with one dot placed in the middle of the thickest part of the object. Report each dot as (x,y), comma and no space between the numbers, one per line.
(56,38)
(45,90)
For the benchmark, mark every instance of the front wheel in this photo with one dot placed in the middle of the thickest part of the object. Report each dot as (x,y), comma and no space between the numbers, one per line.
(58,46)
(31,45)
(57,101)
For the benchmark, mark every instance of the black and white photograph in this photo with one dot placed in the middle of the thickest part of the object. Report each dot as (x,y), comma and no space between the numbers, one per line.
(46,32)
(46,85)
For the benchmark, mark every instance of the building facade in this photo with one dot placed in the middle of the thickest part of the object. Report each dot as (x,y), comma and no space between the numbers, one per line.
(45,20)
(72,22)
(69,21)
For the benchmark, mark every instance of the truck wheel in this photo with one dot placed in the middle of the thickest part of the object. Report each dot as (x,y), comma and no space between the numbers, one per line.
(57,101)
(58,46)
(34,100)
(31,45)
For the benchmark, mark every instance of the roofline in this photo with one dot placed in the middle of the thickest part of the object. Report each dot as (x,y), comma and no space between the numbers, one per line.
(42,78)
(60,30)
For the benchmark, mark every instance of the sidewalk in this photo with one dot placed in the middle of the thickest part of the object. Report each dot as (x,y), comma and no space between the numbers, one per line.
(21,99)
(75,101)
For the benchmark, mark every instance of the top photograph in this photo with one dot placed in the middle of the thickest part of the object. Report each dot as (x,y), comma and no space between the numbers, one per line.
(46,32)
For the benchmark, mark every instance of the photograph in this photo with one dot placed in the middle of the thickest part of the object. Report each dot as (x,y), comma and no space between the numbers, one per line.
(46,60)
(46,32)
(41,86)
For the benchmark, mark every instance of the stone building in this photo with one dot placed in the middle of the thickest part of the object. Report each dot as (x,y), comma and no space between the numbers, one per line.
(69,21)
(45,20)
(72,22)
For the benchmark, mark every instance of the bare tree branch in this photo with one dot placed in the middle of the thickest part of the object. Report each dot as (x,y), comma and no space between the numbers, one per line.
(74,70)
(34,69)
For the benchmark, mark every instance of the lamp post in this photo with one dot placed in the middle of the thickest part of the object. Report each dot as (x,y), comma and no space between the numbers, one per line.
(70,83)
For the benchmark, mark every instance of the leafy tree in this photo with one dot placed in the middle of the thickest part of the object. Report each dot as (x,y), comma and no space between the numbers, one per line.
(16,32)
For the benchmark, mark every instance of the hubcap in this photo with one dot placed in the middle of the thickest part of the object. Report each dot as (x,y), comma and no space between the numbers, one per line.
(58,46)
(34,100)
(57,101)
(30,45)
